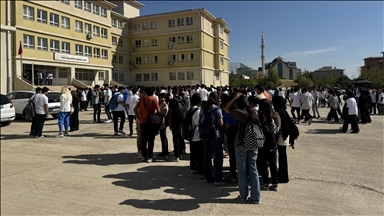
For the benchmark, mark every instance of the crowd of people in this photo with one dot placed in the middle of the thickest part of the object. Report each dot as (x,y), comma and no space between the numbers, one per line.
(220,120)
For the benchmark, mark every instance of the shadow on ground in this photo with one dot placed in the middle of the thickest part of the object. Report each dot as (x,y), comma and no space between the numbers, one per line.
(103,159)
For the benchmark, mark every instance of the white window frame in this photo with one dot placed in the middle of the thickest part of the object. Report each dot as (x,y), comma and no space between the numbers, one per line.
(190,39)
(138,43)
(180,21)
(180,39)
(114,59)
(222,60)
(28,12)
(172,75)
(180,75)
(96,9)
(221,29)
(101,75)
(65,47)
(104,33)
(54,45)
(52,20)
(79,26)
(121,77)
(171,23)
(103,12)
(155,59)
(96,31)
(119,24)
(154,42)
(154,77)
(190,57)
(104,54)
(88,51)
(221,45)
(65,22)
(40,16)
(79,4)
(65,1)
(138,77)
(96,52)
(138,60)
(189,20)
(190,75)
(145,26)
(137,26)
(120,42)
(29,41)
(87,6)
(113,23)
(121,60)
(79,49)
(172,39)
(181,57)
(173,57)
(145,60)
(146,77)
(153,25)
(145,43)
(41,45)
(87,28)
(114,40)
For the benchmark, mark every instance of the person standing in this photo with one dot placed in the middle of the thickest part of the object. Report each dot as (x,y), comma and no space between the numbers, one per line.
(84,99)
(119,112)
(64,111)
(380,101)
(373,103)
(107,98)
(50,78)
(132,101)
(96,104)
(315,106)
(295,104)
(231,128)
(352,114)
(163,126)
(204,95)
(334,104)
(42,111)
(74,119)
(306,104)
(32,102)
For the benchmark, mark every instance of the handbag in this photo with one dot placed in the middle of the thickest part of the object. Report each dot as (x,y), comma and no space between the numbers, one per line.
(72,110)
(155,119)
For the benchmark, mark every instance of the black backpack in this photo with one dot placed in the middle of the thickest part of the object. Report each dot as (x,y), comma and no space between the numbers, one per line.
(293,133)
(270,131)
(187,131)
(180,111)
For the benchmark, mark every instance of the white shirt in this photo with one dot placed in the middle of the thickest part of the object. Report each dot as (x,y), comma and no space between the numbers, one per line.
(65,103)
(280,140)
(352,107)
(373,97)
(307,100)
(315,96)
(132,101)
(164,91)
(50,76)
(84,95)
(157,98)
(195,121)
(281,93)
(40,101)
(296,99)
(106,94)
(204,94)
(381,98)
(193,91)
(120,107)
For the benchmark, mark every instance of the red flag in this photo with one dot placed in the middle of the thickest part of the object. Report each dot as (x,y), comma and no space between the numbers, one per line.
(20,49)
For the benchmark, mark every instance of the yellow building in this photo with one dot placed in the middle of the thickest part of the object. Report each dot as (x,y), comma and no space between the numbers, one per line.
(83,43)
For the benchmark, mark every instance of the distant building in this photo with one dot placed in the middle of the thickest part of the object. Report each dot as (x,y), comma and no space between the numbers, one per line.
(242,69)
(373,62)
(285,69)
(328,71)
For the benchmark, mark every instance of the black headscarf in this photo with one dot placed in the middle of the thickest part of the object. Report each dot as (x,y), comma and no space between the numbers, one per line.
(279,106)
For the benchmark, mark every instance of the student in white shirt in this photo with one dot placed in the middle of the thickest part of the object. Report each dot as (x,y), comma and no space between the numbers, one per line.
(196,145)
(107,98)
(119,112)
(204,95)
(380,101)
(41,111)
(295,104)
(315,108)
(352,114)
(132,101)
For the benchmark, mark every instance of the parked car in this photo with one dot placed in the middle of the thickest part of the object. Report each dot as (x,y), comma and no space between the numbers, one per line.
(20,100)
(7,111)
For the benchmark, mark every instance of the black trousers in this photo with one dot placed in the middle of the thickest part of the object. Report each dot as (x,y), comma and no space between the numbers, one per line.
(178,142)
(365,117)
(33,125)
(197,156)
(306,114)
(264,159)
(283,164)
(148,133)
(373,108)
(40,119)
(96,111)
(297,109)
(130,119)
(352,119)
(232,131)
(164,141)
(333,114)
(116,116)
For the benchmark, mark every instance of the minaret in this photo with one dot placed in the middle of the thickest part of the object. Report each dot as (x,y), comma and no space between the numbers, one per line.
(262,53)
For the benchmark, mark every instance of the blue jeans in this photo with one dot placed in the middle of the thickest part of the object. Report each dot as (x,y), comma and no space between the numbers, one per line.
(246,160)
(213,146)
(63,120)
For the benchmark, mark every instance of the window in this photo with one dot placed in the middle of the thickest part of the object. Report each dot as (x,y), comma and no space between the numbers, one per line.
(96,9)
(146,77)
(41,16)
(180,21)
(88,51)
(138,77)
(180,39)
(87,28)
(96,31)
(65,1)
(189,20)
(221,44)
(101,75)
(180,75)
(103,12)
(145,60)
(120,42)
(121,76)
(189,39)
(221,60)
(190,75)
(171,23)
(154,77)
(120,59)
(221,29)
(154,59)
(145,26)
(79,3)
(87,6)
(113,22)
(172,39)
(114,59)
(65,22)
(145,43)
(54,19)
(104,54)
(104,33)
(190,57)
(217,77)
(96,52)
(119,24)
(173,57)
(63,74)
(54,46)
(153,25)
(42,43)
(138,43)
(28,12)
(114,40)
(78,26)
(65,47)
(154,42)
(172,76)
(79,49)
(181,57)
(137,26)
(29,41)
(138,60)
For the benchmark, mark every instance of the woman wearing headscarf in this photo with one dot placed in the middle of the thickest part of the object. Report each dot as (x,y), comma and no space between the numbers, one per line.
(64,111)
(74,119)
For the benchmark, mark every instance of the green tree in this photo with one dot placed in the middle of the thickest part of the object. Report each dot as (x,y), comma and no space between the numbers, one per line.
(375,75)
(273,77)
(343,82)
(305,82)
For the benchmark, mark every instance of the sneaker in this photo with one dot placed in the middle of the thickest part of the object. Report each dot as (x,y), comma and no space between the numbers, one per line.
(310,121)
(149,160)
(243,199)
(162,154)
(60,135)
(181,157)
(42,136)
(122,132)
(138,154)
(274,187)
(116,134)
(194,172)
(176,160)
(109,121)
(66,133)
(154,159)
(144,159)
(220,183)
(305,122)
(130,134)
(264,187)
(255,201)
(318,117)
(32,134)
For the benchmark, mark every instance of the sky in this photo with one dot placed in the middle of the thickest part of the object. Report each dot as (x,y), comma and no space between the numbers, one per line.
(313,34)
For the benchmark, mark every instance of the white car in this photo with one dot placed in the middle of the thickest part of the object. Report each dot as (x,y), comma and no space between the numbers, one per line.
(7,111)
(20,100)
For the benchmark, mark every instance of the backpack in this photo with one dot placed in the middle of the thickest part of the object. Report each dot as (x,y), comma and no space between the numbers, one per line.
(29,111)
(113,103)
(187,131)
(270,131)
(180,111)
(253,136)
(293,134)
(207,124)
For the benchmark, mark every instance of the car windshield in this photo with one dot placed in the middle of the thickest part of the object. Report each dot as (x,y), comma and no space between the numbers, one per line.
(53,97)
(4,100)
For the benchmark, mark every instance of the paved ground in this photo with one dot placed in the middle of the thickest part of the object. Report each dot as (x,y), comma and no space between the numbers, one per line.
(94,173)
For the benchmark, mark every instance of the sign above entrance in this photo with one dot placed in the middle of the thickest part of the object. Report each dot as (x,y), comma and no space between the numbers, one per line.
(71,58)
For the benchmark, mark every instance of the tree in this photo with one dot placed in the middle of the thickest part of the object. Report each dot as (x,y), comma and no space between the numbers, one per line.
(273,77)
(305,82)
(375,75)
(343,82)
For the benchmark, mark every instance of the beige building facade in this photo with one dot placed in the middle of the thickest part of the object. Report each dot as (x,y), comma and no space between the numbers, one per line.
(328,71)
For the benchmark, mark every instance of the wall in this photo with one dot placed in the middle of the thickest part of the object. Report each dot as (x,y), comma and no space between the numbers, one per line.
(3,60)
